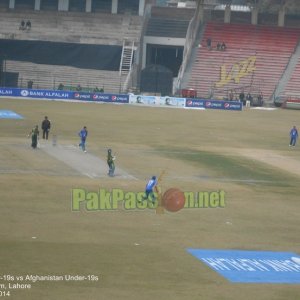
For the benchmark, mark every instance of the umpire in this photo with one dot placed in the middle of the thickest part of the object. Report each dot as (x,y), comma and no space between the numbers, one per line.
(46,125)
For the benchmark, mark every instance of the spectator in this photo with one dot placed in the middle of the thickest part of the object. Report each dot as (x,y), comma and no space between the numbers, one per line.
(101,90)
(249,98)
(223,46)
(208,43)
(242,97)
(260,99)
(28,25)
(231,96)
(96,90)
(78,88)
(60,87)
(218,46)
(29,84)
(22,25)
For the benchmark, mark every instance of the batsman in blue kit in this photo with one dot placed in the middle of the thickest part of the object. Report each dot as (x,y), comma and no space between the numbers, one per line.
(149,189)
(294,136)
(83,133)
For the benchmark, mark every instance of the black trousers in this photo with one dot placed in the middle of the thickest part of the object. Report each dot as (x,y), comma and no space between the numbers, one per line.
(45,134)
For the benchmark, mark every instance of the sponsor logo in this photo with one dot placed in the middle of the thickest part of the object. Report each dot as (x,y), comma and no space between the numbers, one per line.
(252,266)
(101,97)
(24,93)
(237,71)
(83,96)
(6,92)
(195,103)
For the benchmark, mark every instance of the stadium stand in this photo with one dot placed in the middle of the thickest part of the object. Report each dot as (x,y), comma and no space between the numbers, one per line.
(76,28)
(247,63)
(50,76)
(105,29)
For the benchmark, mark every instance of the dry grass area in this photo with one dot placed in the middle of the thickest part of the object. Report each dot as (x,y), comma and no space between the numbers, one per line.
(138,254)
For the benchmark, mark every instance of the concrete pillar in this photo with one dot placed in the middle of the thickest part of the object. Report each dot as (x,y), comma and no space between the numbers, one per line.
(201,14)
(11,4)
(63,5)
(281,16)
(254,15)
(227,14)
(37,5)
(88,6)
(141,7)
(114,6)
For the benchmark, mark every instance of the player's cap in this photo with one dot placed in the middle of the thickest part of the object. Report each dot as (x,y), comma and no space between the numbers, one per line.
(153,177)
(109,150)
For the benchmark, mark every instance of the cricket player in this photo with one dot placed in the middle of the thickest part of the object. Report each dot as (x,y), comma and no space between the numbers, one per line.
(149,189)
(46,125)
(83,133)
(34,136)
(111,163)
(294,136)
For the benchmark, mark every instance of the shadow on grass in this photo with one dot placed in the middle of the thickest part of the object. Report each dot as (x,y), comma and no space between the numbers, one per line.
(232,168)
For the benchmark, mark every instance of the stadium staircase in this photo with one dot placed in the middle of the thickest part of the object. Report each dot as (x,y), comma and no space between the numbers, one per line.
(248,62)
(289,86)
(126,63)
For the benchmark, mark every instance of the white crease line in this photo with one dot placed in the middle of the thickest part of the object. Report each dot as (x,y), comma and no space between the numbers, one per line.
(88,175)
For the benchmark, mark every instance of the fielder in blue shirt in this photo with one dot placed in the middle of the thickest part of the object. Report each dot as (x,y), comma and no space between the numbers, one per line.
(149,189)
(294,136)
(83,133)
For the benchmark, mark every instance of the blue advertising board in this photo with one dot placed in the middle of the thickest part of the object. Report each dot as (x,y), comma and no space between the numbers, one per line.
(213,104)
(46,94)
(123,99)
(63,95)
(28,93)
(252,266)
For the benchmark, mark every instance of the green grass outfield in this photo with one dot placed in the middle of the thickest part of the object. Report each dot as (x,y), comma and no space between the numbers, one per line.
(139,254)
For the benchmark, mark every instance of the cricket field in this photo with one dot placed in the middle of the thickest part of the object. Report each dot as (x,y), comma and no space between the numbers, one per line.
(51,251)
